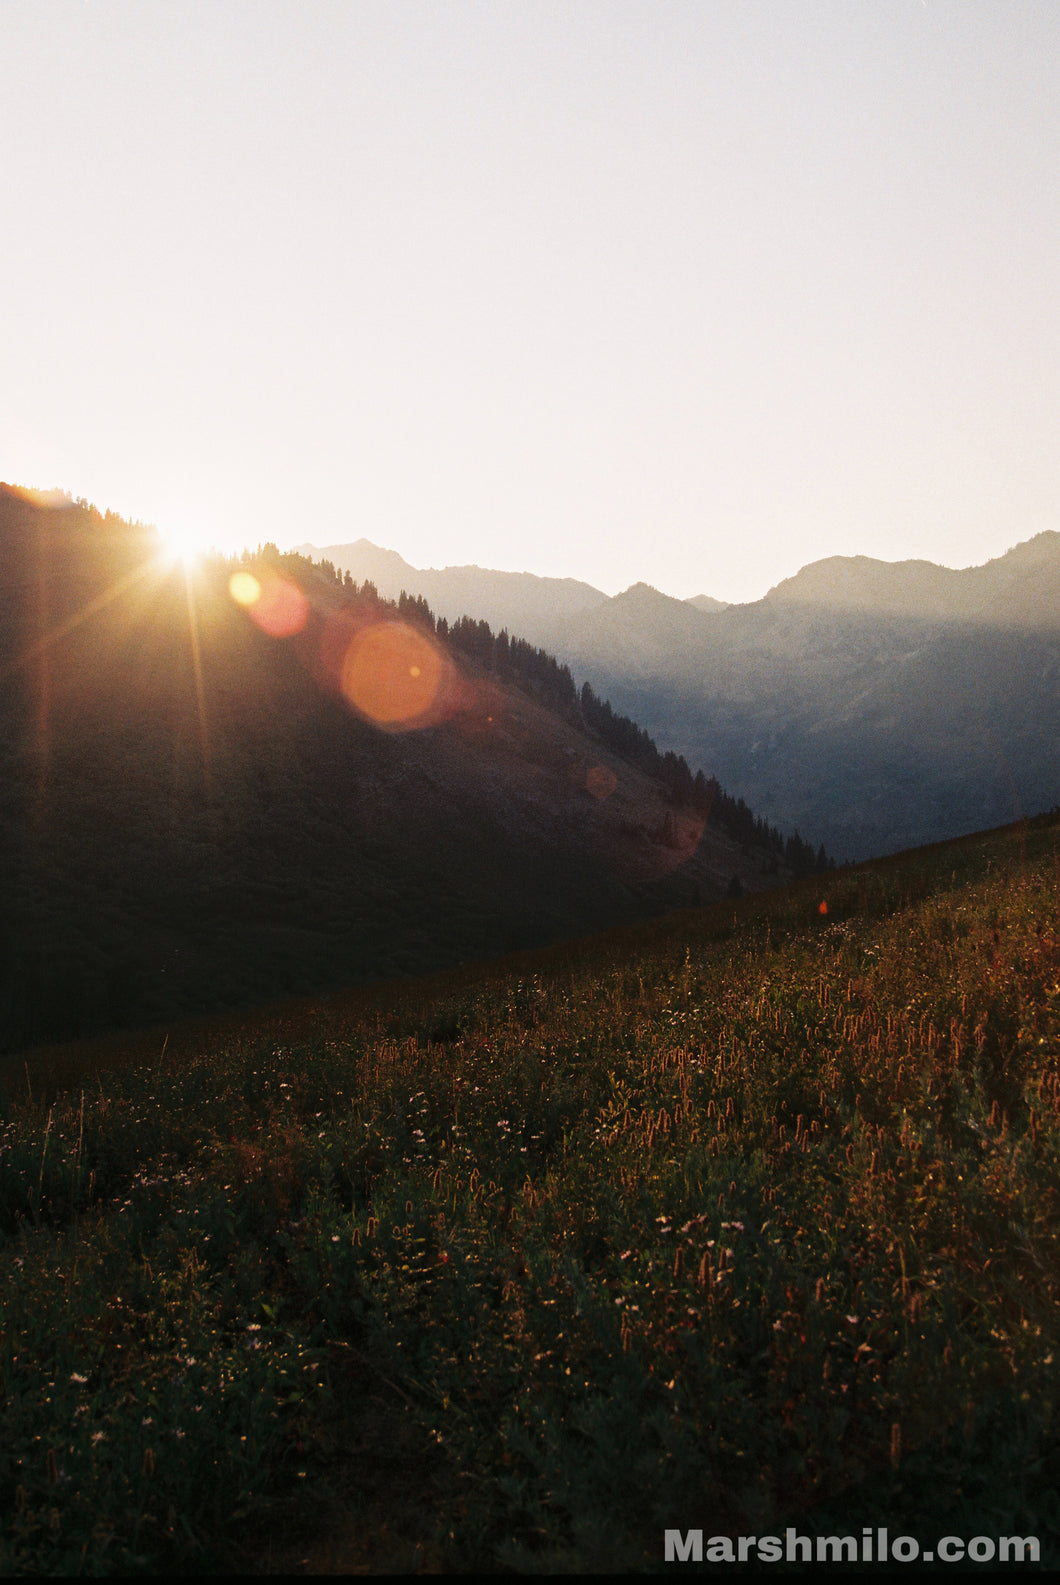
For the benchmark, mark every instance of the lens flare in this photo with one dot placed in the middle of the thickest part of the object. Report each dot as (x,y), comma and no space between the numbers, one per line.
(391,672)
(244,588)
(277,605)
(395,676)
(601,781)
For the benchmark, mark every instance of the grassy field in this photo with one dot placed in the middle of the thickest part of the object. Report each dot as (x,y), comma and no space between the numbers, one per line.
(745,1219)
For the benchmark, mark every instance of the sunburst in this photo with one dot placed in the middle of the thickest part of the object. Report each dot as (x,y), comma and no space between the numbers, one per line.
(183,540)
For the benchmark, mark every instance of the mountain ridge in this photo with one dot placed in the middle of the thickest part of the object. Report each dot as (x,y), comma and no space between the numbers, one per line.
(926,589)
(526,604)
(877,705)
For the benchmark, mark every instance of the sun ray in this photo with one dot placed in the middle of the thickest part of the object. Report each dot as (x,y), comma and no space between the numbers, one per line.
(152,571)
(196,661)
(113,592)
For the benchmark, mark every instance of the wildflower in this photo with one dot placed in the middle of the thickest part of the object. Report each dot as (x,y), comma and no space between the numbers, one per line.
(75,1376)
(97,1437)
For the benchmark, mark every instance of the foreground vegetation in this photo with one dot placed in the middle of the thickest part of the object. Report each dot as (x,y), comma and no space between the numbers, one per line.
(748,1219)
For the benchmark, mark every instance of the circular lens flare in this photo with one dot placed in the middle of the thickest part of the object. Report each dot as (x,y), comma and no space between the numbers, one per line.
(244,588)
(394,675)
(277,605)
(601,781)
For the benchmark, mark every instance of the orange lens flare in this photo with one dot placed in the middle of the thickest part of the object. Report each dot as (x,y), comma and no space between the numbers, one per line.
(601,781)
(395,676)
(276,604)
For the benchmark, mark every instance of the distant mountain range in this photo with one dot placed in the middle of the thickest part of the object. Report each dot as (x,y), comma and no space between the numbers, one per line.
(872,705)
(530,607)
(208,798)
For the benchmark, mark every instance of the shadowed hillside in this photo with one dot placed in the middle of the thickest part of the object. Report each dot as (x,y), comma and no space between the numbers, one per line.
(213,797)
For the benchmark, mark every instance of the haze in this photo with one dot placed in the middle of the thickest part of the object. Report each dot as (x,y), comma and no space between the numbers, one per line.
(685,293)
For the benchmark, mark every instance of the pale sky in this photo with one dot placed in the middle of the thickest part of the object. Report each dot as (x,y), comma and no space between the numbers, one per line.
(688,291)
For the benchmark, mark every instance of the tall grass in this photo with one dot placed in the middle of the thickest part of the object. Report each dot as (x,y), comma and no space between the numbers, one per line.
(748,1220)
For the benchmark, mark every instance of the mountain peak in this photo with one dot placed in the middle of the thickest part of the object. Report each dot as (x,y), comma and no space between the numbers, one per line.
(862,581)
(646,595)
(1022,586)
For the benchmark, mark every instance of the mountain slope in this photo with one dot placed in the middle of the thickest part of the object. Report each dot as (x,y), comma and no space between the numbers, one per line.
(206,805)
(763,1199)
(873,706)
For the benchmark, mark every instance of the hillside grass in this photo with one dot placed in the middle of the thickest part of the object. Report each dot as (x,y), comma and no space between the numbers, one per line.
(741,1220)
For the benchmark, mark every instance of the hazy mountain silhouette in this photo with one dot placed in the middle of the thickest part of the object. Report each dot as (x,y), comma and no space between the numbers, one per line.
(1018,589)
(208,803)
(872,705)
(875,706)
(536,609)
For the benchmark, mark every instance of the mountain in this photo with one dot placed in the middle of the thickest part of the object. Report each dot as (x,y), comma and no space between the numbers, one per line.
(642,628)
(873,706)
(253,782)
(1019,589)
(536,609)
(870,705)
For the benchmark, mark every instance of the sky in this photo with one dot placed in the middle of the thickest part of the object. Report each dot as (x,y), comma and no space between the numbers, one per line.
(692,292)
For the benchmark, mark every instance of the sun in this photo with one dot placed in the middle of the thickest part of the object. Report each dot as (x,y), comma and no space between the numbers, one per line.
(183,540)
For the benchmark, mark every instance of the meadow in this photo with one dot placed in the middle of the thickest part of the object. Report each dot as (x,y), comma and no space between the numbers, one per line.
(741,1219)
